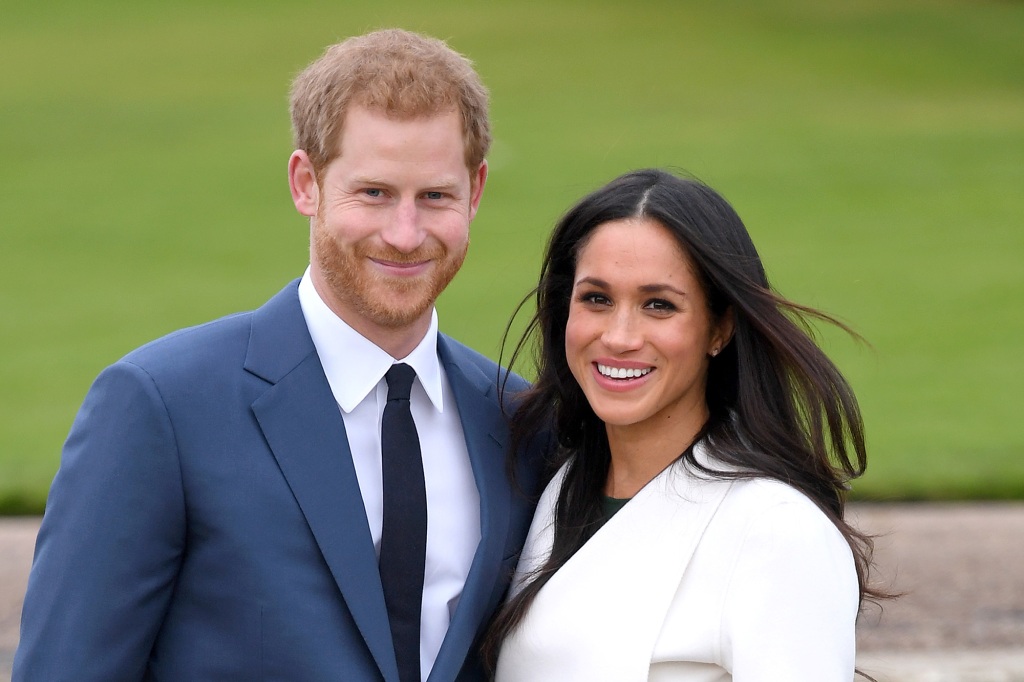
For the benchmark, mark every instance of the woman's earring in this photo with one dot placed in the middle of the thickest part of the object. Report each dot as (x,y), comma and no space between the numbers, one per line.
(714,352)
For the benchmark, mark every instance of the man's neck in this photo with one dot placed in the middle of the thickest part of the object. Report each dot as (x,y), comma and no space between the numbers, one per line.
(397,342)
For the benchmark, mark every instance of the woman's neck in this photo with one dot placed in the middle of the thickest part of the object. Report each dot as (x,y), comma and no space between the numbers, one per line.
(639,452)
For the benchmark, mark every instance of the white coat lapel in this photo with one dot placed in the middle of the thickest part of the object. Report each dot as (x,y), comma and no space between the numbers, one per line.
(611,598)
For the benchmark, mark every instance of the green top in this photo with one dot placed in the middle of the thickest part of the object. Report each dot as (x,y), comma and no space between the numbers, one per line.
(611,505)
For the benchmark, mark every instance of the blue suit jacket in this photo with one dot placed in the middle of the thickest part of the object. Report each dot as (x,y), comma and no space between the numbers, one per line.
(206,522)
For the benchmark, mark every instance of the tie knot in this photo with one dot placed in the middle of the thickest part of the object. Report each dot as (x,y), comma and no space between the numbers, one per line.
(399,378)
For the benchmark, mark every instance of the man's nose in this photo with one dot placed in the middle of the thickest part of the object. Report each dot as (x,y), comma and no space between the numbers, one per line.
(404,231)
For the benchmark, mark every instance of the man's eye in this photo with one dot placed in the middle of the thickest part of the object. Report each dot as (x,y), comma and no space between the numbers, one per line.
(373,192)
(433,196)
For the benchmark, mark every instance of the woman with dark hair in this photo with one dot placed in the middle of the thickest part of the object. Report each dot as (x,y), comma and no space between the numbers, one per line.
(694,529)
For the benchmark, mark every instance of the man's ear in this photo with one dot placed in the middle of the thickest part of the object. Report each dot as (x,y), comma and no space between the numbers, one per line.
(302,183)
(477,183)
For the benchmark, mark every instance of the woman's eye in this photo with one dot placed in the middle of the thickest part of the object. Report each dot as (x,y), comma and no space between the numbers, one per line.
(594,297)
(660,304)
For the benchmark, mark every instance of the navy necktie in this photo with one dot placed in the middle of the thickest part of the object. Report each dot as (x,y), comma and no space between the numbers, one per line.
(403,543)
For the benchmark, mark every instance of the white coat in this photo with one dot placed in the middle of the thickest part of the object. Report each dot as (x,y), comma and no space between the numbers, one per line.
(693,580)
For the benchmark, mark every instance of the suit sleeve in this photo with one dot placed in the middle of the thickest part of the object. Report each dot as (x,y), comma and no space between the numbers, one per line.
(111,539)
(792,602)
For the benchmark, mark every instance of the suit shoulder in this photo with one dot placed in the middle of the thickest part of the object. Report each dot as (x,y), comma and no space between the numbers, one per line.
(497,374)
(197,345)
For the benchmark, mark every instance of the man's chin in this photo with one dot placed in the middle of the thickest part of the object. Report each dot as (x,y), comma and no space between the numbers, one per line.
(397,318)
(395,309)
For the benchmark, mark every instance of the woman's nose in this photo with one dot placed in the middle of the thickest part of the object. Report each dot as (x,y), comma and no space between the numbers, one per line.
(622,333)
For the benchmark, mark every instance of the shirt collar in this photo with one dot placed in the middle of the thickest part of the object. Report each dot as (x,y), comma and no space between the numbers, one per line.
(354,365)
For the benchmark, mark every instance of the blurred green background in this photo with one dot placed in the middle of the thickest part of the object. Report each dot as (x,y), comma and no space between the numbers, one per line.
(875,149)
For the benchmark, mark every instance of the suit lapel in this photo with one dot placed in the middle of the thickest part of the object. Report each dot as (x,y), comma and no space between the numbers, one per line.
(303,426)
(485,430)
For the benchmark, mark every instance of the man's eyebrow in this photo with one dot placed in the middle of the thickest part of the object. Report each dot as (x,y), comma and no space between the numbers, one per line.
(443,183)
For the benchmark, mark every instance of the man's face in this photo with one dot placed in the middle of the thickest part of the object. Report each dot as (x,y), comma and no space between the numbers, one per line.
(392,224)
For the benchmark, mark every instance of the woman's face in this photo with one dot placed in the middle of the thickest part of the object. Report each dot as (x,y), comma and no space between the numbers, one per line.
(639,332)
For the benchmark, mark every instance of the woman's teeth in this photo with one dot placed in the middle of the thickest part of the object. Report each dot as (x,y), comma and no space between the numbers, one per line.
(622,372)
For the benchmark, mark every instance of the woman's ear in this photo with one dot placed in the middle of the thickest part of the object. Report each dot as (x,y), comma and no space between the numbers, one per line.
(724,328)
(302,182)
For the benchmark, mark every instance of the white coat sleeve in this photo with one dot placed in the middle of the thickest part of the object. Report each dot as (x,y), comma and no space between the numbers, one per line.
(792,602)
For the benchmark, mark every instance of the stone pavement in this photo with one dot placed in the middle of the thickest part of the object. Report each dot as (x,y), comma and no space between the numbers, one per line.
(17,536)
(960,567)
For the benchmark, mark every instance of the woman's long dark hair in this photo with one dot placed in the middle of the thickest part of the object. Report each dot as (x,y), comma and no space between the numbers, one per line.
(779,408)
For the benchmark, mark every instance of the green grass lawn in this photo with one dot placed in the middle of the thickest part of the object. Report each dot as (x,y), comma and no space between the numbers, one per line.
(875,150)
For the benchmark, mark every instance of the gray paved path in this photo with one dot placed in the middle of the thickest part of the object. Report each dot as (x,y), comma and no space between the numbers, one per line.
(961,567)
(961,570)
(17,536)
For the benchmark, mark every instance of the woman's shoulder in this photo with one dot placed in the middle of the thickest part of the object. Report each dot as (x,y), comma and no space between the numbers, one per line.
(755,492)
(762,493)
(775,516)
(759,503)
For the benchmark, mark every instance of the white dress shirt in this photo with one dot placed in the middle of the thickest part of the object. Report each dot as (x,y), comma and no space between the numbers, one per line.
(355,369)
